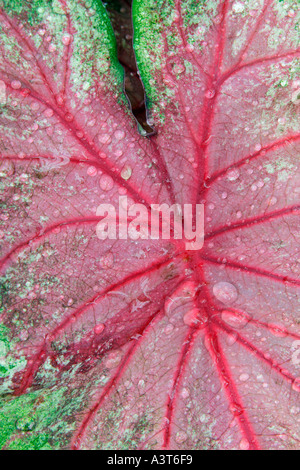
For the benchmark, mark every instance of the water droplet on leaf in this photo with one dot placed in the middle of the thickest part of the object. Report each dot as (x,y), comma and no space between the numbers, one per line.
(244,444)
(106,183)
(99,328)
(225,292)
(66,39)
(126,173)
(278,330)
(119,135)
(25,424)
(236,320)
(233,175)
(16,84)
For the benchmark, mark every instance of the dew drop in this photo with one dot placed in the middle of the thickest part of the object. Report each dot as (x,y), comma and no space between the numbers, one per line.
(236,409)
(238,7)
(291,13)
(99,328)
(69,117)
(126,173)
(16,84)
(106,183)
(235,320)
(92,171)
(296,97)
(185,393)
(231,339)
(233,175)
(273,201)
(178,68)
(23,335)
(244,444)
(122,191)
(191,318)
(66,39)
(260,184)
(119,135)
(296,385)
(7,168)
(190,48)
(113,359)
(169,329)
(210,94)
(24,177)
(25,424)
(60,99)
(257,147)
(104,139)
(277,330)
(225,292)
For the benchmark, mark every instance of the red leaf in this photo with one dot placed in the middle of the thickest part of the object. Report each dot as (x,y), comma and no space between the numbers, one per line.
(141,344)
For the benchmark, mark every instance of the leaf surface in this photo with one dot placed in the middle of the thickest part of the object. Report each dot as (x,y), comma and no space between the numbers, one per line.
(141,344)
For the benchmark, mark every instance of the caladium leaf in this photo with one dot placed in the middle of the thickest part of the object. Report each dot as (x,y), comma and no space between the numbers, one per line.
(140,344)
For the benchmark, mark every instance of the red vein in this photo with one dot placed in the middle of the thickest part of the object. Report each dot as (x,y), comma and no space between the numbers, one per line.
(209,102)
(272,146)
(40,357)
(251,270)
(108,389)
(188,122)
(32,49)
(263,60)
(163,168)
(253,221)
(258,323)
(230,389)
(44,232)
(171,402)
(258,353)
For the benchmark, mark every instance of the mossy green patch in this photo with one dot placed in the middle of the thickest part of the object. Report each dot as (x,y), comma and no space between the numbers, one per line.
(94,40)
(39,420)
(9,364)
(33,9)
(150,20)
(92,56)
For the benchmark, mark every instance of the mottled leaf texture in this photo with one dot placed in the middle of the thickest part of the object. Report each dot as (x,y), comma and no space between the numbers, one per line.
(141,344)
